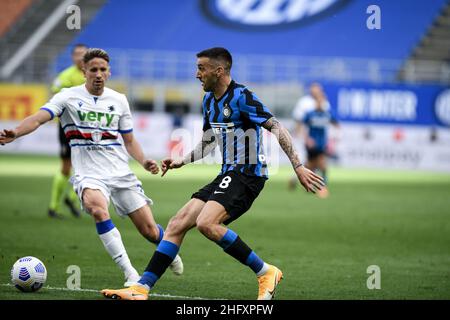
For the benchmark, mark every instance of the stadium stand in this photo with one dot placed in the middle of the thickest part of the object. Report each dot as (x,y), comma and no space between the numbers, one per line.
(36,65)
(332,45)
(432,56)
(336,45)
(10,11)
(397,75)
(189,28)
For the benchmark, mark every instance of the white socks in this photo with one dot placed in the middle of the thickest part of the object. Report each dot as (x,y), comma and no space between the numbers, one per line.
(263,270)
(114,245)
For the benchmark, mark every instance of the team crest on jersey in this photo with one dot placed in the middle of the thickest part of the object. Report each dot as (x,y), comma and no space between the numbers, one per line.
(111,108)
(226,111)
(96,136)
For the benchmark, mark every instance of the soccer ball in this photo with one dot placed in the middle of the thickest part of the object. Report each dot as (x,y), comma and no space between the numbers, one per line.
(28,274)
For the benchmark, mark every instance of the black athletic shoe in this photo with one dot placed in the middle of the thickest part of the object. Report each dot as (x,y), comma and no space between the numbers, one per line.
(72,208)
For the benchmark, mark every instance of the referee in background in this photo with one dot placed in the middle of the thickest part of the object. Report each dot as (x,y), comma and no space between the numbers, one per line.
(70,77)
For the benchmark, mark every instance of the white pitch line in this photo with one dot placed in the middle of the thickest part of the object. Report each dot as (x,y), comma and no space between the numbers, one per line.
(160,295)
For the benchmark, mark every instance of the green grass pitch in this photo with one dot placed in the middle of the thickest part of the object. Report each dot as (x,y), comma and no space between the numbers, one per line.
(399,221)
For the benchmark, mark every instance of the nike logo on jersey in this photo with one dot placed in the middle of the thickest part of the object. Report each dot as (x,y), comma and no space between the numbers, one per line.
(96,116)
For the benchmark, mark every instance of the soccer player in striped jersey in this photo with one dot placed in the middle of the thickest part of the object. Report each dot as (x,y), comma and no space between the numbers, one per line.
(233,119)
(315,129)
(98,124)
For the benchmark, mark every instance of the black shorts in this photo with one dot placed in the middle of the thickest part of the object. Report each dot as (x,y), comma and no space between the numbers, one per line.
(313,153)
(234,190)
(64,144)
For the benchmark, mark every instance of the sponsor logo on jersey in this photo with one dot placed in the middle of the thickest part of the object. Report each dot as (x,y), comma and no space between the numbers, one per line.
(220,127)
(96,116)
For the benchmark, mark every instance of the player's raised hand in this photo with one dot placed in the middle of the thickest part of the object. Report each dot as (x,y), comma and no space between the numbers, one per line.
(152,166)
(309,180)
(169,163)
(7,136)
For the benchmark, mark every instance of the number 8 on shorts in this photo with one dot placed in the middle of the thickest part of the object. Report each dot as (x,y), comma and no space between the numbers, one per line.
(225,182)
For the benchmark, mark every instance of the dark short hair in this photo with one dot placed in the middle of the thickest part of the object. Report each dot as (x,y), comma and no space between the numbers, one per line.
(218,53)
(78,45)
(95,53)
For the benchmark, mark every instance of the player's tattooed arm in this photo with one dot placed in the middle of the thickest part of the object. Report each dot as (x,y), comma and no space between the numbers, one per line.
(284,139)
(202,149)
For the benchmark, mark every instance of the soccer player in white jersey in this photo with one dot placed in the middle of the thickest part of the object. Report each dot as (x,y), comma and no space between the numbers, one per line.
(98,124)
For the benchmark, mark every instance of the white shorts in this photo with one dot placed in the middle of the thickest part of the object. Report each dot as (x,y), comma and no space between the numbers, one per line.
(126,192)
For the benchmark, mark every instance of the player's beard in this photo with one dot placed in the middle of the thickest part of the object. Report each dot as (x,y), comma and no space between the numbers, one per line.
(209,85)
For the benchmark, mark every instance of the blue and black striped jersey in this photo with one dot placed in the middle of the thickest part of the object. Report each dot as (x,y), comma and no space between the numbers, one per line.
(235,120)
(318,122)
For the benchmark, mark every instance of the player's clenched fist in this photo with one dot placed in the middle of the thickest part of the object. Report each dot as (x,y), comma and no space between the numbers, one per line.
(7,136)
(152,166)
(168,163)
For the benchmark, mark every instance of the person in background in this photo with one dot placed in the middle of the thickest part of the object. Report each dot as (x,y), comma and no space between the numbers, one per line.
(315,131)
(70,77)
(306,104)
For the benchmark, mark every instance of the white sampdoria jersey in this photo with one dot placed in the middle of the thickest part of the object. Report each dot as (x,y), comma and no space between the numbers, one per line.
(92,125)
(305,105)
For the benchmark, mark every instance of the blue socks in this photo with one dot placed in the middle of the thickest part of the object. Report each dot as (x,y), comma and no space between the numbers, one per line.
(254,262)
(228,238)
(235,247)
(167,251)
(160,261)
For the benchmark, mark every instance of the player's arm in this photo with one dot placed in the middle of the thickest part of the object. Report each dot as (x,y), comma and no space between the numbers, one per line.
(298,116)
(25,127)
(201,150)
(134,149)
(298,130)
(307,178)
(334,122)
(309,142)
